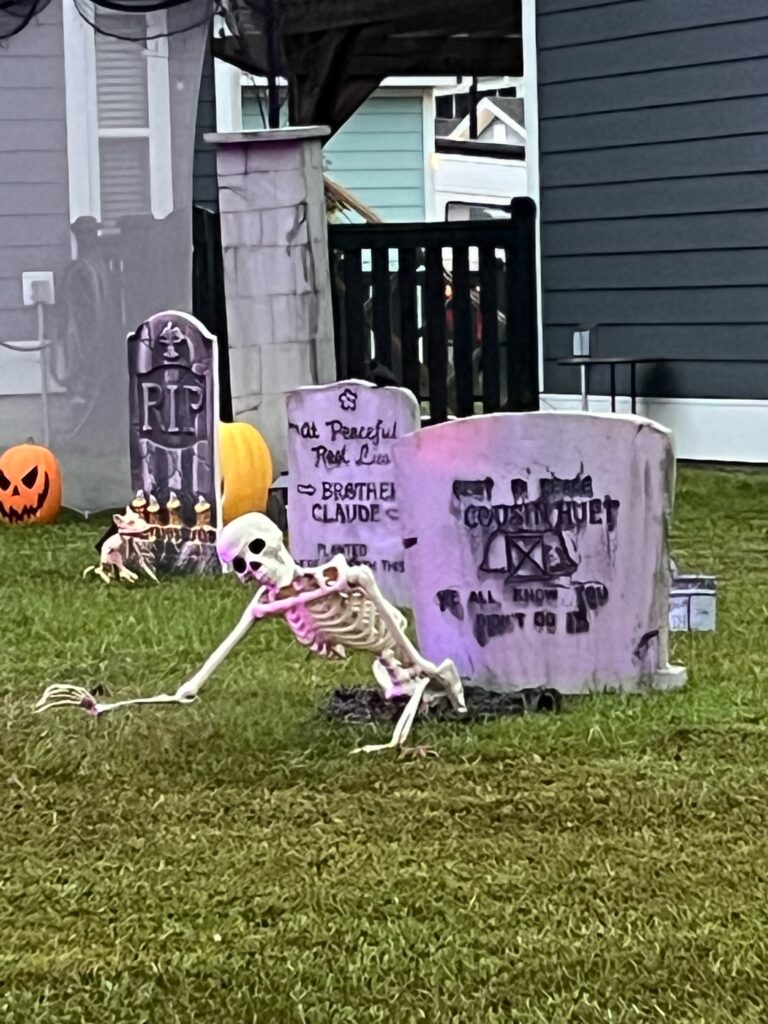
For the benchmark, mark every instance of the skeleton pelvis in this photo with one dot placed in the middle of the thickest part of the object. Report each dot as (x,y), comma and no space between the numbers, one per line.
(393,678)
(396,681)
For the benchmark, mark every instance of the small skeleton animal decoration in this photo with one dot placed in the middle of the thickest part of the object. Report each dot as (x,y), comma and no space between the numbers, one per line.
(332,609)
(113,551)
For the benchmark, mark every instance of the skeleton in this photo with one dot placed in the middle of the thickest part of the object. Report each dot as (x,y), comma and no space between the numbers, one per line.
(115,549)
(332,609)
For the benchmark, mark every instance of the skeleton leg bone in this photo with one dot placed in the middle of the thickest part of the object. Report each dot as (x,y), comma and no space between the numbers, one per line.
(100,571)
(148,570)
(404,723)
(445,672)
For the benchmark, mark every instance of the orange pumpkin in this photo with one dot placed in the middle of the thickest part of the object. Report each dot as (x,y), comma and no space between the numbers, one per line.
(30,485)
(246,470)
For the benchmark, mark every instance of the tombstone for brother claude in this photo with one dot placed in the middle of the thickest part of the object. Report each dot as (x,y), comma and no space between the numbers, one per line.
(342,496)
(172,366)
(536,547)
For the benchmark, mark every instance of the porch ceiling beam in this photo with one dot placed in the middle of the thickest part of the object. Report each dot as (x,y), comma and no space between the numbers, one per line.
(299,16)
(249,53)
(479,57)
(402,56)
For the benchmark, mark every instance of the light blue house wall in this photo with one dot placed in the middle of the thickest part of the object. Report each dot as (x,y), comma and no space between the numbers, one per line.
(378,154)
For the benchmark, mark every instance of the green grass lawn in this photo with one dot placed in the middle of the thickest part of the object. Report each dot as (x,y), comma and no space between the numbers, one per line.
(230,862)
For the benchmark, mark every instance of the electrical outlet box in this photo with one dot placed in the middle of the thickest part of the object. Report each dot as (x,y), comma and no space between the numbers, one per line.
(37,286)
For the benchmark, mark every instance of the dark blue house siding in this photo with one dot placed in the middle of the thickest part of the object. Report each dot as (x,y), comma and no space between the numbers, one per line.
(654,187)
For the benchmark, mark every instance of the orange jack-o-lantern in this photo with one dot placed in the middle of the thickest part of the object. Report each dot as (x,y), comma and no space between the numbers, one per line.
(30,485)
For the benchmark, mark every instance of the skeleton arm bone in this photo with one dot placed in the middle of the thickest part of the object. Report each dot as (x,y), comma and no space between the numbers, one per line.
(57,696)
(257,609)
(260,609)
(188,691)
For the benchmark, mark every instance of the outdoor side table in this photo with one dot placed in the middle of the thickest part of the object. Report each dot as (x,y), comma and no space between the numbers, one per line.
(612,361)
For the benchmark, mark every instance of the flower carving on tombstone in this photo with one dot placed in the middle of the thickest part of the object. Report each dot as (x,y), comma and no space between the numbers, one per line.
(348,400)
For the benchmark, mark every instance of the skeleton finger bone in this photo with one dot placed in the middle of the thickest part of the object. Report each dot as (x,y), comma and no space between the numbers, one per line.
(60,695)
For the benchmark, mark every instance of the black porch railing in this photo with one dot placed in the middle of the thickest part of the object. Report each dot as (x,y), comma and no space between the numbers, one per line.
(448,308)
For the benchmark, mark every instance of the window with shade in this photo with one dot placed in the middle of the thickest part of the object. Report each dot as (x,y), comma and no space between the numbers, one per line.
(123,105)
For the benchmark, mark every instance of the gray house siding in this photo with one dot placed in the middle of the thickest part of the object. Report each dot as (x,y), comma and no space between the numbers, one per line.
(34,196)
(654,187)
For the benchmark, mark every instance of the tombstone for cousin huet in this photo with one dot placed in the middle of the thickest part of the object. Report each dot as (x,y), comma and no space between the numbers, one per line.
(173,443)
(342,497)
(536,548)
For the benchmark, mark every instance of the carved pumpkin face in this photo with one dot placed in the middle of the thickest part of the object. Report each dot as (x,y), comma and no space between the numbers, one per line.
(30,485)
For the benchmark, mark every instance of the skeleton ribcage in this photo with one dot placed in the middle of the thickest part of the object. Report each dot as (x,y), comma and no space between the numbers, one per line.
(349,620)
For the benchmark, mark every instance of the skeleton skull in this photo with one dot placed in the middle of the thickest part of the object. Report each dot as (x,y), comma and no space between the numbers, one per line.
(253,546)
(131,524)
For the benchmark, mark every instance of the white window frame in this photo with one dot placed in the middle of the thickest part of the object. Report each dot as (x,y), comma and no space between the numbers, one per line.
(530,95)
(83,132)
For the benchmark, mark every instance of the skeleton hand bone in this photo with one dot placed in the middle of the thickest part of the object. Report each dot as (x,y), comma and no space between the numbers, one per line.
(59,696)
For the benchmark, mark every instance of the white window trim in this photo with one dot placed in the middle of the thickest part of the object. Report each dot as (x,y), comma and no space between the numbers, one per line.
(83,131)
(159,99)
(229,97)
(428,148)
(82,116)
(531,100)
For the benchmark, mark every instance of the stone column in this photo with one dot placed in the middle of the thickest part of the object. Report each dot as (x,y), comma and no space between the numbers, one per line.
(276,272)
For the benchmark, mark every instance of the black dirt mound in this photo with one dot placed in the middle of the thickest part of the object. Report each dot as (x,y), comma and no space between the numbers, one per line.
(365,705)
